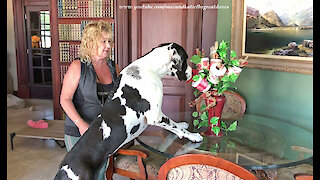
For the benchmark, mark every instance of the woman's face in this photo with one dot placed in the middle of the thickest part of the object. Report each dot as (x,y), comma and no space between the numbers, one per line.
(103,46)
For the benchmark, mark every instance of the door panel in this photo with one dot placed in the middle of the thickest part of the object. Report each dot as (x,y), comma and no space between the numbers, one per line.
(151,27)
(158,27)
(39,51)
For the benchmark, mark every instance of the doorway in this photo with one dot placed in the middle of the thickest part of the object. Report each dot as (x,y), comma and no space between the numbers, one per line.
(39,51)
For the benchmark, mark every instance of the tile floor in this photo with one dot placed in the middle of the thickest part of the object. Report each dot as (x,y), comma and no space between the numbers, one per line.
(33,159)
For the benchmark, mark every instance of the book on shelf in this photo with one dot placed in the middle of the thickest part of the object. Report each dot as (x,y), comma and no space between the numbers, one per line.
(73,32)
(63,71)
(85,8)
(64,51)
(68,52)
(70,32)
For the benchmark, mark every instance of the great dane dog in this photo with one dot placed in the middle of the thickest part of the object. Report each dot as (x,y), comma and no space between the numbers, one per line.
(136,96)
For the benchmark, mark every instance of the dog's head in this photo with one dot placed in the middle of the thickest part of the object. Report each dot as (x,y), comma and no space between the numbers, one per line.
(178,65)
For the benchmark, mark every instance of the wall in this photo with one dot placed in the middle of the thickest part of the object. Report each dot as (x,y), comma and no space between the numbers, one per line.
(281,95)
(11,52)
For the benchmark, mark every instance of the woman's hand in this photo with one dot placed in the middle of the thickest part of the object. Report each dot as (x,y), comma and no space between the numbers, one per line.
(83,127)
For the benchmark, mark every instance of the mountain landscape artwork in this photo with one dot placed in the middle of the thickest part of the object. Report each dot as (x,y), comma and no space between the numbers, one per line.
(279,27)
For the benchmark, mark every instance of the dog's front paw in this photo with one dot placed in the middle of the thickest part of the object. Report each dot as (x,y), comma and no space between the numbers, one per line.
(196,137)
(183,125)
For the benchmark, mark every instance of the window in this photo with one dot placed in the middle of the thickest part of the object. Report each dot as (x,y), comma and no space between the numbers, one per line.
(45,29)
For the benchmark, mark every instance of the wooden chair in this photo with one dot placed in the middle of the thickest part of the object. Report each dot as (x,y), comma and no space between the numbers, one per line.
(135,162)
(202,166)
(234,107)
(303,176)
(141,174)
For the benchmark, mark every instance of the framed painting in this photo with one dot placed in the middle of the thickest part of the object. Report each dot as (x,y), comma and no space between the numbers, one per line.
(274,34)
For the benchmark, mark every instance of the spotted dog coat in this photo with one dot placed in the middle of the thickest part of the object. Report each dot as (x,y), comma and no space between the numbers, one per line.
(137,94)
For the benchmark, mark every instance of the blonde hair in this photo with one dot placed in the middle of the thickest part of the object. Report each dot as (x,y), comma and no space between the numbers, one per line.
(90,36)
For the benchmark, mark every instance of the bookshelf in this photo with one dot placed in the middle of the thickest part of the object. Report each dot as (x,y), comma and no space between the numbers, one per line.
(68,20)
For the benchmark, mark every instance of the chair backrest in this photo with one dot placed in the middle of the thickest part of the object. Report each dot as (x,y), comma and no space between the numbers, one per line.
(202,166)
(234,107)
(302,176)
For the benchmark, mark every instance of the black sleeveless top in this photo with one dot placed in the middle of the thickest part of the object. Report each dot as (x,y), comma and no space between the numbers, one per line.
(89,96)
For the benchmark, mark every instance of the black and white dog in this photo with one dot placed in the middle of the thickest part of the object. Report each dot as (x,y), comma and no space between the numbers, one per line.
(137,94)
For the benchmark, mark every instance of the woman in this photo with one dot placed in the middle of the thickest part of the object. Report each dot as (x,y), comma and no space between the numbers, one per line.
(88,81)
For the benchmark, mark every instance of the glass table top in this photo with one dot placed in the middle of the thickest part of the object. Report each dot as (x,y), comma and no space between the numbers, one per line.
(257,143)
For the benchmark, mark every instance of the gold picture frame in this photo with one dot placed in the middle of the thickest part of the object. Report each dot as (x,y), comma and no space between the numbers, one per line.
(294,64)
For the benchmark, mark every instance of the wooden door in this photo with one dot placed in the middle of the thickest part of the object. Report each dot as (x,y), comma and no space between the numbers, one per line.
(151,27)
(39,51)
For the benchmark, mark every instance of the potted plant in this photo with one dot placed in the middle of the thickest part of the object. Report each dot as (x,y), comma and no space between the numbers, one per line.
(214,75)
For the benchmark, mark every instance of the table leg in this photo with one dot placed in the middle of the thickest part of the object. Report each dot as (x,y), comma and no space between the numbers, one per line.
(12,135)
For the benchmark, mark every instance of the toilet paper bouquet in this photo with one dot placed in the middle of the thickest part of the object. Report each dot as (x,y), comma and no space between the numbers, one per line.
(217,71)
(214,75)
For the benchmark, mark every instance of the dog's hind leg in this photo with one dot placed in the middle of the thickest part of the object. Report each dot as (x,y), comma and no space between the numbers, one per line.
(100,174)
